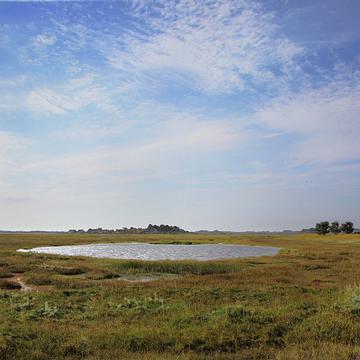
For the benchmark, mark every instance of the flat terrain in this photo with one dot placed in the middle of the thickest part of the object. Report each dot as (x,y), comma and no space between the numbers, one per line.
(301,304)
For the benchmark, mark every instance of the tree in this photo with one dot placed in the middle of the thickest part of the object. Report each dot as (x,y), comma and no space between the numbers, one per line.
(334,227)
(322,228)
(347,227)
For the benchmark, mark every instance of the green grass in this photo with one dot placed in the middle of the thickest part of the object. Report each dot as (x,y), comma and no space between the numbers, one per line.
(177,267)
(303,303)
(9,285)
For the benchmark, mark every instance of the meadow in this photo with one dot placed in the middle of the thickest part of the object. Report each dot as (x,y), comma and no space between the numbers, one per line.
(303,303)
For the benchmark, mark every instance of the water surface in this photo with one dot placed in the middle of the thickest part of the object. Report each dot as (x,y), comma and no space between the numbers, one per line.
(144,251)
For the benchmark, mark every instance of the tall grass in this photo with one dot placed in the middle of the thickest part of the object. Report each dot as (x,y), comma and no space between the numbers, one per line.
(177,267)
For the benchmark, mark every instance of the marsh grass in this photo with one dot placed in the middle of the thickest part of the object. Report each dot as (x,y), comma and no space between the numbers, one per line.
(5,274)
(69,270)
(102,274)
(349,301)
(9,285)
(303,303)
(176,267)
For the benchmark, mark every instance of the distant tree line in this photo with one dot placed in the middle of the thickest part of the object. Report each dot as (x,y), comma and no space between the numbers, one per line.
(162,229)
(324,227)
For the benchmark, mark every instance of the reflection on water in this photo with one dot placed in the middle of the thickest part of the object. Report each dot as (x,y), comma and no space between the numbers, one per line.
(141,251)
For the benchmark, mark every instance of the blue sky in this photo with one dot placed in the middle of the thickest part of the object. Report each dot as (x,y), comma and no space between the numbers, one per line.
(236,115)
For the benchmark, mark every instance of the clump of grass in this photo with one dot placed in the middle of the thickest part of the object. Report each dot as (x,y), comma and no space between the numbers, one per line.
(69,270)
(349,301)
(102,275)
(177,267)
(9,285)
(77,347)
(313,267)
(81,294)
(71,283)
(176,242)
(238,314)
(142,340)
(19,268)
(40,279)
(5,274)
(46,311)
(143,305)
(276,335)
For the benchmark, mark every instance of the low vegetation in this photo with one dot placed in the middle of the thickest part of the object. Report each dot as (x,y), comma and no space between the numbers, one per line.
(151,229)
(303,303)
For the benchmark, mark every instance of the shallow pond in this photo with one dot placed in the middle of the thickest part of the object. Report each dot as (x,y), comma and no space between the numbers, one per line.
(141,251)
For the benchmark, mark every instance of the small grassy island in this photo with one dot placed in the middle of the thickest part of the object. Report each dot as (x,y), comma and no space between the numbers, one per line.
(302,303)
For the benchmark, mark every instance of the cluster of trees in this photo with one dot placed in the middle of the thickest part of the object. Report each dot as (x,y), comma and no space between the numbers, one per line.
(325,227)
(132,230)
(94,231)
(163,229)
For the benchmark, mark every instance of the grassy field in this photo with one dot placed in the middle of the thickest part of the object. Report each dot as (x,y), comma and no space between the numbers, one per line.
(301,304)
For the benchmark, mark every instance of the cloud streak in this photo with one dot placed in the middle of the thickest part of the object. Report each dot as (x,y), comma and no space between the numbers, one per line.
(74,95)
(326,120)
(215,46)
(168,144)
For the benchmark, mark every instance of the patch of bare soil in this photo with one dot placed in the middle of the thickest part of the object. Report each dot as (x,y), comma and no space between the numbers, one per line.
(19,279)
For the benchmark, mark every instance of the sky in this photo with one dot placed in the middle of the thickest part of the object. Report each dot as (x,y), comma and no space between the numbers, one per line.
(233,115)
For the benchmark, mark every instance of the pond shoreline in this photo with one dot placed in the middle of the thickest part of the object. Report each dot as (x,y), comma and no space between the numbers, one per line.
(151,251)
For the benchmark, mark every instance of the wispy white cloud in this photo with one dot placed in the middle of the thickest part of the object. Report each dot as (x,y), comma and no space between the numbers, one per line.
(326,121)
(44,40)
(161,148)
(211,46)
(12,90)
(10,142)
(73,95)
(12,148)
(216,46)
(13,81)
